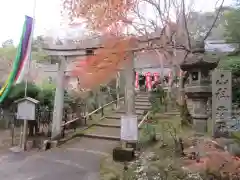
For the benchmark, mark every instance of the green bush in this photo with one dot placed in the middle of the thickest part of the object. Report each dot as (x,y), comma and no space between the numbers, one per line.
(156,98)
(18,92)
(45,96)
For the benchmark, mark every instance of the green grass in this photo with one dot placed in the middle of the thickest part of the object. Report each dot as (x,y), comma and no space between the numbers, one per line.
(226,61)
(110,169)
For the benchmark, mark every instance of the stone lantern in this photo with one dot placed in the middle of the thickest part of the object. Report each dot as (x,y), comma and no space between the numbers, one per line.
(198,90)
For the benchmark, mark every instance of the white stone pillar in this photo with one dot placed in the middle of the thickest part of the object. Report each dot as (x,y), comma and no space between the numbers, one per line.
(118,89)
(59,99)
(130,88)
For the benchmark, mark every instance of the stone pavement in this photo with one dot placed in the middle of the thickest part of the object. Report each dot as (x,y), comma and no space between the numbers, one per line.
(77,160)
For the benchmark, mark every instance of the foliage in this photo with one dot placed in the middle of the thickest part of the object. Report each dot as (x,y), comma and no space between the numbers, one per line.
(40,56)
(102,68)
(124,28)
(8,51)
(232,26)
(46,97)
(111,20)
(185,115)
(7,43)
(110,12)
(157,98)
(47,85)
(18,92)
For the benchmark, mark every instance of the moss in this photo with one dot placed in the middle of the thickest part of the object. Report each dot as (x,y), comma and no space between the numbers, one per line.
(185,115)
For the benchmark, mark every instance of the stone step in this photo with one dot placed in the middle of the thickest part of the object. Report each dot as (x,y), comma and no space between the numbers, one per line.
(138,112)
(114,123)
(100,132)
(113,116)
(105,137)
(118,116)
(142,97)
(142,108)
(143,103)
(172,113)
(141,100)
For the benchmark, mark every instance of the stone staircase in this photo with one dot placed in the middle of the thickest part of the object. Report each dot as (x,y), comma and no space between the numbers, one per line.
(109,127)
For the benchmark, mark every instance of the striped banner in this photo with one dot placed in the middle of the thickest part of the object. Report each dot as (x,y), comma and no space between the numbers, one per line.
(20,62)
(26,48)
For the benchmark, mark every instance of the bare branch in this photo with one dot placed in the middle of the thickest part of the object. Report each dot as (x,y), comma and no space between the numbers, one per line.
(185,24)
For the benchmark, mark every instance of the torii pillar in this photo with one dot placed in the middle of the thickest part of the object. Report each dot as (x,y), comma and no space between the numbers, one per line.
(65,53)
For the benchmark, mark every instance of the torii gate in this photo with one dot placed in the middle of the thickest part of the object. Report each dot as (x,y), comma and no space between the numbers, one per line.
(65,53)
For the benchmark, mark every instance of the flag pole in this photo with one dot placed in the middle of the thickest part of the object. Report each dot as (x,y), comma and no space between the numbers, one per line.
(24,134)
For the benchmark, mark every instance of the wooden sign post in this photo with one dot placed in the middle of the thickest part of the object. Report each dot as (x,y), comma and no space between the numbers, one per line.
(26,111)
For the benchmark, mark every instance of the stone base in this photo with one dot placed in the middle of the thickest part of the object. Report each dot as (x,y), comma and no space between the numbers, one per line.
(123,154)
(200,126)
(16,149)
(133,145)
(29,145)
(47,144)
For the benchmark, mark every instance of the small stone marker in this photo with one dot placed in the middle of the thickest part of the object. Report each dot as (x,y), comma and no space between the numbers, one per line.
(129,128)
(221,100)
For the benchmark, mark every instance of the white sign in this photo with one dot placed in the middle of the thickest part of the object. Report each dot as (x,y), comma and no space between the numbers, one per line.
(26,111)
(129,128)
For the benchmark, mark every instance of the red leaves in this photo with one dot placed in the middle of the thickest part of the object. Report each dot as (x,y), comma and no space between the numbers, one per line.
(101,67)
(100,14)
(213,159)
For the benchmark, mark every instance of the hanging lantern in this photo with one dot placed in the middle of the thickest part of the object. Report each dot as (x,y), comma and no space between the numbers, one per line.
(170,78)
(148,81)
(156,77)
(136,81)
(181,73)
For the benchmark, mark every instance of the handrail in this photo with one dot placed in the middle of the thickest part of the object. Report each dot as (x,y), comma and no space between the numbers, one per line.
(143,119)
(91,113)
(69,122)
(96,110)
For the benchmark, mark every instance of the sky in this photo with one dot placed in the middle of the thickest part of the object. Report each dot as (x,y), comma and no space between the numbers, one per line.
(47,16)
(12,14)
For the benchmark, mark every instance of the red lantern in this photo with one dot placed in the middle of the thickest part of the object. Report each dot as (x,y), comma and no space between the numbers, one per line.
(148,81)
(136,81)
(169,77)
(156,77)
(181,73)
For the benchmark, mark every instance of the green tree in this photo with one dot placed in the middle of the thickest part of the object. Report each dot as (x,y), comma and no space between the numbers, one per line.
(37,43)
(8,53)
(8,43)
(18,91)
(232,26)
